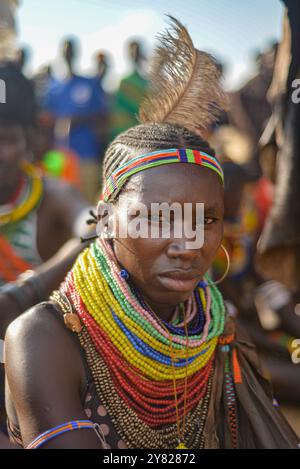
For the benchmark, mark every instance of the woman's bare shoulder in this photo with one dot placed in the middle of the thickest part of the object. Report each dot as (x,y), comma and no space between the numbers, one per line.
(37,343)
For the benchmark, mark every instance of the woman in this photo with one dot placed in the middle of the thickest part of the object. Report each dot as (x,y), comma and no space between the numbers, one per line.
(37,214)
(157,367)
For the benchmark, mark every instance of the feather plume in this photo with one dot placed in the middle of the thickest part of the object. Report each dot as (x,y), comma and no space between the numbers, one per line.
(185,83)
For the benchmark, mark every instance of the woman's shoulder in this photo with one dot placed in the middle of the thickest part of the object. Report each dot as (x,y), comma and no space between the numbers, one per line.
(36,323)
(38,339)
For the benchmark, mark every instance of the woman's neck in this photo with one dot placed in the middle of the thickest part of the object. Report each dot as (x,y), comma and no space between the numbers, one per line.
(164,311)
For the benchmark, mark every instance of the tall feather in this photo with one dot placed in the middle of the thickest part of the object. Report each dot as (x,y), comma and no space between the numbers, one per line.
(185,83)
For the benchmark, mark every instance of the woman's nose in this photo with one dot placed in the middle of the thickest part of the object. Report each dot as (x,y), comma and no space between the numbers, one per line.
(179,248)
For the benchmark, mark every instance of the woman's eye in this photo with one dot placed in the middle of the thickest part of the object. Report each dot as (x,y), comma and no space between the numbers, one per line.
(209,221)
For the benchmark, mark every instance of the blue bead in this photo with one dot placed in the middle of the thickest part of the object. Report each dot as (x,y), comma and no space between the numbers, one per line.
(225,348)
(124,274)
(202,284)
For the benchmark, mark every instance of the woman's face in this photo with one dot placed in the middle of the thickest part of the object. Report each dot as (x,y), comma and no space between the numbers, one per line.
(167,271)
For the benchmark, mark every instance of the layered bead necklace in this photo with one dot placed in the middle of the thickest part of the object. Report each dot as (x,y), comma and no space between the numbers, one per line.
(27,198)
(149,374)
(24,201)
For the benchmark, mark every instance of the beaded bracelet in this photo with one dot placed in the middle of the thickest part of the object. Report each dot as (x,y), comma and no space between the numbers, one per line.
(59,430)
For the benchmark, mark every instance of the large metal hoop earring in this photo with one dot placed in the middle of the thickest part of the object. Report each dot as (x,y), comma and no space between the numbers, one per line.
(227,268)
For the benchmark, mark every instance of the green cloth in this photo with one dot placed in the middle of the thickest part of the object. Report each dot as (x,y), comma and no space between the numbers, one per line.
(131,92)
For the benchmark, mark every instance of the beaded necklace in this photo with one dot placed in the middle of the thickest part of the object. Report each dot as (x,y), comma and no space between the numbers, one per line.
(29,198)
(14,218)
(12,265)
(128,352)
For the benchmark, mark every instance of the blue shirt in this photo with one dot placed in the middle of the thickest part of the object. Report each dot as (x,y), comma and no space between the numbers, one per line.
(77,96)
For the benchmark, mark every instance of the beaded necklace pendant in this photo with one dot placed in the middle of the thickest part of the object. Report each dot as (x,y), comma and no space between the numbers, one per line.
(181,446)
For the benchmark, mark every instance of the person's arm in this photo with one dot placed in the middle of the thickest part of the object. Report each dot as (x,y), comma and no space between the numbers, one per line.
(45,376)
(64,204)
(37,287)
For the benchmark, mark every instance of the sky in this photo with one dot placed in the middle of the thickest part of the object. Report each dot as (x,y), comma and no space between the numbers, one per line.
(230,29)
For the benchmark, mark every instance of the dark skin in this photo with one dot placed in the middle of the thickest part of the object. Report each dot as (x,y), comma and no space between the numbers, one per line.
(50,275)
(146,259)
(60,204)
(45,372)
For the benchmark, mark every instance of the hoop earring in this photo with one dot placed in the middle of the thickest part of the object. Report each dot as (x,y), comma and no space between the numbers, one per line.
(227,268)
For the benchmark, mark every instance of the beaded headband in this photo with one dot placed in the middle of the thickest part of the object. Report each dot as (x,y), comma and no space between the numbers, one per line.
(158,158)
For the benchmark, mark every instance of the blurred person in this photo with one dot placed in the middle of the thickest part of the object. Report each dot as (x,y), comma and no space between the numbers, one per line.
(79,109)
(22,58)
(249,107)
(38,215)
(131,92)
(137,341)
(241,217)
(278,247)
(102,63)
(279,243)
(54,161)
(42,82)
(265,309)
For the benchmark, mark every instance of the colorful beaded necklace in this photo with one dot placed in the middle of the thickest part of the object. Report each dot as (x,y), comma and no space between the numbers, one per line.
(29,198)
(12,265)
(133,347)
(13,218)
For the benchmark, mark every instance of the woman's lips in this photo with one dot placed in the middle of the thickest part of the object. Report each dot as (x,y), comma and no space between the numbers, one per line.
(183,281)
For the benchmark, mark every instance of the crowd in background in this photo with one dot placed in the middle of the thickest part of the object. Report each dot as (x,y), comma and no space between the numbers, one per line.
(75,119)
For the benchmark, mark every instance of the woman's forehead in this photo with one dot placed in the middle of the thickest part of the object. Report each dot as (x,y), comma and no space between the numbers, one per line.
(181,183)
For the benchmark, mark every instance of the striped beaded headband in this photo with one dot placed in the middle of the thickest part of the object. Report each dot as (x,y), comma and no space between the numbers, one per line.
(157,158)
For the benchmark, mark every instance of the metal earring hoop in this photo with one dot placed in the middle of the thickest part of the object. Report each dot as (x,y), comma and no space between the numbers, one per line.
(227,268)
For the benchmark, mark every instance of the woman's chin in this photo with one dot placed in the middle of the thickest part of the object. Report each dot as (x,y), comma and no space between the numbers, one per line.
(172,298)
